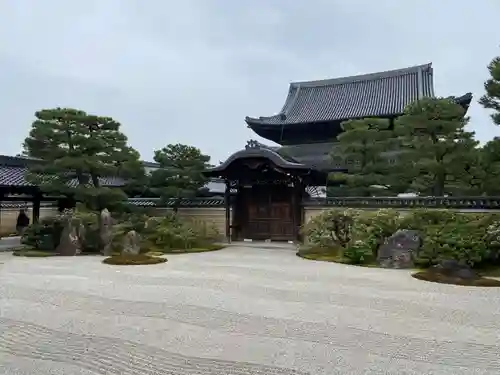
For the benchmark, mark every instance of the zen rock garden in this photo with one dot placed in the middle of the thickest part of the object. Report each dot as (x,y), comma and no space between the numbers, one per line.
(132,238)
(442,245)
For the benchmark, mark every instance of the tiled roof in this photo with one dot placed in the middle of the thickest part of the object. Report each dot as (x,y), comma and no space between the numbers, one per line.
(19,205)
(316,155)
(15,176)
(255,152)
(12,176)
(141,202)
(185,202)
(368,95)
(13,170)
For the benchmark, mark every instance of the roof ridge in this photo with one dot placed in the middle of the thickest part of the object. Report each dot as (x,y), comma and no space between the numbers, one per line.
(362,77)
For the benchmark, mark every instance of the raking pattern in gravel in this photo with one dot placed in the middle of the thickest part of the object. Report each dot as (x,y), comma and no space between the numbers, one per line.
(111,356)
(240,311)
(390,346)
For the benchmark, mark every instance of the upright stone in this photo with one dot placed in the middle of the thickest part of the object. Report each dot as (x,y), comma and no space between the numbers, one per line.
(131,243)
(399,250)
(69,243)
(105,234)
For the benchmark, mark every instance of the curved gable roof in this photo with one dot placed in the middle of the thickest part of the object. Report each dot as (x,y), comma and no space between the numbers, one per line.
(257,153)
(367,95)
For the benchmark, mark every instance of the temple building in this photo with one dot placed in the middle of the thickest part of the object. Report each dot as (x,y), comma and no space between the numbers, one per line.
(266,185)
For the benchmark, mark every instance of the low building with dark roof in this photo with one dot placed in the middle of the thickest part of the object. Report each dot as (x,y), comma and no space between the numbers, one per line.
(14,187)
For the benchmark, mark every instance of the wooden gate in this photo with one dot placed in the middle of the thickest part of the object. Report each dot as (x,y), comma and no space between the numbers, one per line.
(270,214)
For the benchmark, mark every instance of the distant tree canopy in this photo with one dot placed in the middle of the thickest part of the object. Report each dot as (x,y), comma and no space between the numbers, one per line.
(180,173)
(429,151)
(78,151)
(491,100)
(483,173)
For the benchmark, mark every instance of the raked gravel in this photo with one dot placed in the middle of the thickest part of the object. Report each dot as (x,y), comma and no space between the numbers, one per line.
(239,311)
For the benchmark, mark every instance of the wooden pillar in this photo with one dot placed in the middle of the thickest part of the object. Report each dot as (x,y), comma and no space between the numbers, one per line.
(295,210)
(36,207)
(227,206)
(299,210)
(1,201)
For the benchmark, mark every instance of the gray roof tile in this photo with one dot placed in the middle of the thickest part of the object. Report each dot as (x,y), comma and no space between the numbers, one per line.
(185,202)
(15,176)
(368,95)
(13,170)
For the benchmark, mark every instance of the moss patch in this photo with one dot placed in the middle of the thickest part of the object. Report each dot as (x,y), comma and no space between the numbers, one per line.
(33,253)
(155,254)
(212,247)
(328,254)
(133,260)
(443,279)
(324,257)
(493,271)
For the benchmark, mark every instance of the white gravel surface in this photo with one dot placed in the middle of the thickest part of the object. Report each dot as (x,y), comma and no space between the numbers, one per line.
(239,311)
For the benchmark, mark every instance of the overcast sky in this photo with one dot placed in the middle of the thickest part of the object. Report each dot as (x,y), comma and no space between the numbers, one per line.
(189,71)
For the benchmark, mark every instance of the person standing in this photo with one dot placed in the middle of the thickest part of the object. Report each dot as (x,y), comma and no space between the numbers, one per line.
(23,221)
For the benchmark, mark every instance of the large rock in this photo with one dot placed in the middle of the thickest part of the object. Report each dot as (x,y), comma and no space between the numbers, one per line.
(131,243)
(399,250)
(105,232)
(69,244)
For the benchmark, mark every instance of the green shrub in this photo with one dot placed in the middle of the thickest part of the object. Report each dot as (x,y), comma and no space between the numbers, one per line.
(420,218)
(461,241)
(450,235)
(175,232)
(372,228)
(469,238)
(357,252)
(331,228)
(354,234)
(44,235)
(492,240)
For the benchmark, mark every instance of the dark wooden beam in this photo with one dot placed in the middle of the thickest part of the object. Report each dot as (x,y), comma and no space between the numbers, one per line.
(1,199)
(227,206)
(295,203)
(36,208)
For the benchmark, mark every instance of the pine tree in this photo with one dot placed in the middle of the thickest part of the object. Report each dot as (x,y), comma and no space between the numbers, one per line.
(78,152)
(482,175)
(435,147)
(491,100)
(362,149)
(180,173)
